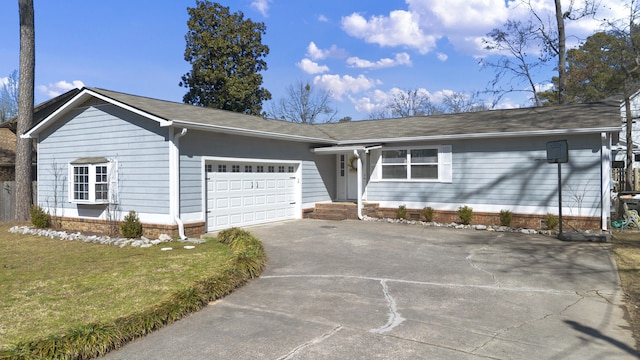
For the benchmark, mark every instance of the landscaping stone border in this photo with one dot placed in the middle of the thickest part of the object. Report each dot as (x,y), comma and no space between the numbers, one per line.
(143,242)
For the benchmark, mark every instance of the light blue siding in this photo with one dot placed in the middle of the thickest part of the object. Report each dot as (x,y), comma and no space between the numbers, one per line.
(138,144)
(318,172)
(507,173)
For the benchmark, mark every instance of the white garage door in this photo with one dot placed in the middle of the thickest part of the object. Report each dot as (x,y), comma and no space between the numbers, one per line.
(247,198)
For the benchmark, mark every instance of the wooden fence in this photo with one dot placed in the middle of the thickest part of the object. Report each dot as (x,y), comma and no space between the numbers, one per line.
(8,199)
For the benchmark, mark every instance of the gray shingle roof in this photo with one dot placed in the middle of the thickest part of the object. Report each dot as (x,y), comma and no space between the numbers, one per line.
(215,117)
(600,115)
(592,117)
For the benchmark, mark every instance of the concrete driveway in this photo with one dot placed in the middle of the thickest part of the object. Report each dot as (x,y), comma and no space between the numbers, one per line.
(370,290)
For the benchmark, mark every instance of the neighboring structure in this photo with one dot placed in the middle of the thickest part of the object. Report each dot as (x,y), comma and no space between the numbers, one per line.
(7,155)
(187,170)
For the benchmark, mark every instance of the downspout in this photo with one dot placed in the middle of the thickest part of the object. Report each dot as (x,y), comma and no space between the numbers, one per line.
(175,181)
(359,174)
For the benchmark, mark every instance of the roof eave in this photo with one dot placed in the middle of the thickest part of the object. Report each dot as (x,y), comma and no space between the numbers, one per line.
(248,132)
(481,136)
(82,96)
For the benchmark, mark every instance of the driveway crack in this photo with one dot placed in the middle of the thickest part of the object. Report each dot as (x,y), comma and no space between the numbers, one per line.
(469,259)
(311,342)
(394,318)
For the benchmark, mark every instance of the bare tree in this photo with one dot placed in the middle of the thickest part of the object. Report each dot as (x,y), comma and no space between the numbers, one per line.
(304,104)
(517,40)
(24,197)
(407,103)
(553,37)
(458,102)
(9,97)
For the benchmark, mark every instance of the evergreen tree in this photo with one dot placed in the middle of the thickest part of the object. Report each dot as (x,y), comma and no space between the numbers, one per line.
(227,56)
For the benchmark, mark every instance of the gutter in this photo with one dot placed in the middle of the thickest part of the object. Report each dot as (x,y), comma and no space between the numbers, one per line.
(175,182)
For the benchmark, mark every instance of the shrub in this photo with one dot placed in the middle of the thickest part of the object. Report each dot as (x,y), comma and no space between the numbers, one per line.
(551,221)
(131,226)
(427,214)
(466,214)
(401,213)
(39,218)
(506,216)
(227,236)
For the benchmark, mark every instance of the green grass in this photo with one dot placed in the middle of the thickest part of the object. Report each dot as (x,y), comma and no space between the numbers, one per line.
(65,290)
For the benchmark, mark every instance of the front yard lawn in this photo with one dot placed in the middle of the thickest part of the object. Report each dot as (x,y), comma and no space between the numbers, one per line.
(49,286)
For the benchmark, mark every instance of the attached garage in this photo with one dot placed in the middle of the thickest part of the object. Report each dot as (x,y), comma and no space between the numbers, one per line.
(241,193)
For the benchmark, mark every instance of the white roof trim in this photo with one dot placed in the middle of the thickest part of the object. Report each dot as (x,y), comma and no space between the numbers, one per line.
(482,136)
(81,96)
(248,132)
(340,149)
(161,121)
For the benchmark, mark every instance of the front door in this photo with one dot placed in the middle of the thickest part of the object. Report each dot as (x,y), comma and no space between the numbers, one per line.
(347,176)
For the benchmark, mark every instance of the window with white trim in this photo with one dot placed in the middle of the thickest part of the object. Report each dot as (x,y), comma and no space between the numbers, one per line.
(93,181)
(416,164)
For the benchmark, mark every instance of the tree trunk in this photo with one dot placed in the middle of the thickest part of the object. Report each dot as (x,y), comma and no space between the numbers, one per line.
(562,54)
(24,196)
(628,179)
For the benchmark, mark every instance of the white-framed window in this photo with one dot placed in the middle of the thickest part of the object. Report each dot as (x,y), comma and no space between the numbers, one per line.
(428,164)
(93,181)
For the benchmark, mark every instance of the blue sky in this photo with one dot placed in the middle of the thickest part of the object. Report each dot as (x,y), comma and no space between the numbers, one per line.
(362,51)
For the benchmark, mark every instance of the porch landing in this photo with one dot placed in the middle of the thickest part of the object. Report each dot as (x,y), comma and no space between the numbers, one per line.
(340,211)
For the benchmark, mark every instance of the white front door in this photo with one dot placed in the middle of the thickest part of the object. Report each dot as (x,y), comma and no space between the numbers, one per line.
(347,181)
(247,198)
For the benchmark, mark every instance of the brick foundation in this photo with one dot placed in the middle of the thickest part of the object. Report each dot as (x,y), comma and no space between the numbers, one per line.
(151,231)
(343,211)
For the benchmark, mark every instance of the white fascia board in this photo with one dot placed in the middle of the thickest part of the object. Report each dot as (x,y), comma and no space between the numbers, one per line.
(336,149)
(81,97)
(161,121)
(249,132)
(61,110)
(332,150)
(481,136)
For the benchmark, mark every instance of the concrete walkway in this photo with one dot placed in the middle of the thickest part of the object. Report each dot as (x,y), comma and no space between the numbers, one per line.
(364,290)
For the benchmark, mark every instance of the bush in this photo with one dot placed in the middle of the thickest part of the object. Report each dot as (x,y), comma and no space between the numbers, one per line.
(401,213)
(466,214)
(551,221)
(506,216)
(39,218)
(131,227)
(427,214)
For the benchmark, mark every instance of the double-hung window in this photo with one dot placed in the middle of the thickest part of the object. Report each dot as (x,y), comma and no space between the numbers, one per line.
(416,164)
(92,181)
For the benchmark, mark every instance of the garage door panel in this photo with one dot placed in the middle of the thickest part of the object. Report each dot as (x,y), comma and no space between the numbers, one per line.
(239,199)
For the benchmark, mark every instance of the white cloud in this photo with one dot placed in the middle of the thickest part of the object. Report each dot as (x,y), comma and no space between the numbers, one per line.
(262,6)
(442,56)
(421,23)
(400,59)
(55,89)
(323,18)
(4,81)
(315,53)
(340,85)
(311,67)
(400,28)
